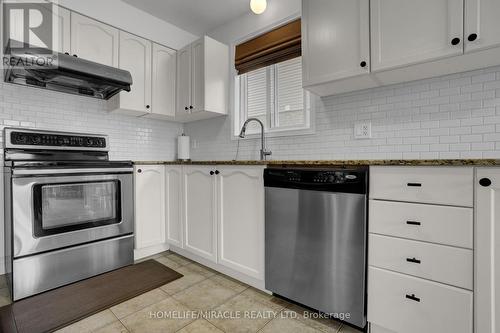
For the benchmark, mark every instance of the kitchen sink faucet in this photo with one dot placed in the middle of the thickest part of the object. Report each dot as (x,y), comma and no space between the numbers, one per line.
(263,151)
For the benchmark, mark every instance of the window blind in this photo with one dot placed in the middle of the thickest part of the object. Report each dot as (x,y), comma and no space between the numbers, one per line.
(275,46)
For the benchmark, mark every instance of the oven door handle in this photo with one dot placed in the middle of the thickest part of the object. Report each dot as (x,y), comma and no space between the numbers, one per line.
(31,172)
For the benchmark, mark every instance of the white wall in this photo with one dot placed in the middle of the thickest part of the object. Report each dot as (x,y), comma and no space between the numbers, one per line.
(277,11)
(128,18)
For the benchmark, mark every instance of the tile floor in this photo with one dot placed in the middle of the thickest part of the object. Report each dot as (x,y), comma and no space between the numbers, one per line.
(235,307)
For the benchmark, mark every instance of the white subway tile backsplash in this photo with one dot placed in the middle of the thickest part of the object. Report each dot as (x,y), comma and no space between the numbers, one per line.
(131,138)
(454,116)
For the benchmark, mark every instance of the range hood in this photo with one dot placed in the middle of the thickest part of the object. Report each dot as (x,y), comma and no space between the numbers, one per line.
(38,67)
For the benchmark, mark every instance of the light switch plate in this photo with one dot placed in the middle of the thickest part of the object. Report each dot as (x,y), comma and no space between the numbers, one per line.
(363,130)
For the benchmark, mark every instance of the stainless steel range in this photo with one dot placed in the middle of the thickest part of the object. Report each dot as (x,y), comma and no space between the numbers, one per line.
(68,210)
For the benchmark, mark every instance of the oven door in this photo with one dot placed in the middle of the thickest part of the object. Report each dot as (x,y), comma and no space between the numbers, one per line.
(57,208)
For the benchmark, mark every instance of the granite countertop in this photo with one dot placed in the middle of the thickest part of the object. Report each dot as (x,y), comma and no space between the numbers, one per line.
(455,162)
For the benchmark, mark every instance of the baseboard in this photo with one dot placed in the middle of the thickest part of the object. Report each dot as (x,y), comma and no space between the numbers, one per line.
(258,284)
(150,251)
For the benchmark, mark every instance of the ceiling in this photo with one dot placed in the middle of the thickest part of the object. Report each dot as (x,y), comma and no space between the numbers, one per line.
(195,16)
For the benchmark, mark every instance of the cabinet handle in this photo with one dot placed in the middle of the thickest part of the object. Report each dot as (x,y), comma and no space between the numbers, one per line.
(485,182)
(74,55)
(66,53)
(212,173)
(413,260)
(217,172)
(148,106)
(472,37)
(186,108)
(414,185)
(363,64)
(139,170)
(455,41)
(413,297)
(191,107)
(413,223)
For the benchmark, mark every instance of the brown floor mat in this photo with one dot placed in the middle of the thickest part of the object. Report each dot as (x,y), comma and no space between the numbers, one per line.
(63,306)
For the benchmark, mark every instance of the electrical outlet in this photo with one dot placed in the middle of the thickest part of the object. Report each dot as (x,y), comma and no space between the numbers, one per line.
(195,144)
(363,130)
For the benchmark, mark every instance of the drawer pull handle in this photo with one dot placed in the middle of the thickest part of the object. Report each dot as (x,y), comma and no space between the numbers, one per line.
(414,185)
(414,260)
(413,298)
(413,223)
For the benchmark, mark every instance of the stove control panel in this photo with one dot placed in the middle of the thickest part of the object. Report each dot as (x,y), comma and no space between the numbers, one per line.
(18,138)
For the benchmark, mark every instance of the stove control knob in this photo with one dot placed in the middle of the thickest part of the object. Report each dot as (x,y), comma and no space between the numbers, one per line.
(36,140)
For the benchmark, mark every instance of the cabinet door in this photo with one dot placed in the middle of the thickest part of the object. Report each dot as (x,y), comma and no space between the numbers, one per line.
(149,205)
(135,57)
(197,75)
(487,251)
(241,219)
(482,25)
(336,39)
(405,32)
(184,80)
(164,72)
(200,212)
(61,27)
(173,204)
(62,30)
(93,40)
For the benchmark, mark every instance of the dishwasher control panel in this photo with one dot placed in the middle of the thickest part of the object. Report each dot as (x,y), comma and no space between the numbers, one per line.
(342,180)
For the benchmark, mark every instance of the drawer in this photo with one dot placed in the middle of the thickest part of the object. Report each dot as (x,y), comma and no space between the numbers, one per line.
(446,264)
(430,223)
(407,304)
(435,185)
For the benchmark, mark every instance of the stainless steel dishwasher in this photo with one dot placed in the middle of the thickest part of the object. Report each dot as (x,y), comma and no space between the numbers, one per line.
(316,239)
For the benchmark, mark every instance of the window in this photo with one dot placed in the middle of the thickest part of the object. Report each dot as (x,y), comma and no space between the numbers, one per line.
(274,95)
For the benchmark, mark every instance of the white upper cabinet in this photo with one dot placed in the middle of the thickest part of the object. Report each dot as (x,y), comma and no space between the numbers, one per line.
(200,211)
(197,76)
(241,219)
(487,251)
(202,80)
(482,24)
(406,32)
(135,57)
(183,80)
(94,41)
(164,78)
(62,30)
(336,39)
(173,204)
(149,205)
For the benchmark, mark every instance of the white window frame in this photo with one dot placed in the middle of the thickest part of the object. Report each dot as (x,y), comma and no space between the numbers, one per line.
(236,121)
(272,115)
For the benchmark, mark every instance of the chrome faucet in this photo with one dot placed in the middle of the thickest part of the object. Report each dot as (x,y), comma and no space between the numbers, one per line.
(263,151)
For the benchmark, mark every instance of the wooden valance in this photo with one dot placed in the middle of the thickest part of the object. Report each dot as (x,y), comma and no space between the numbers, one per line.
(275,46)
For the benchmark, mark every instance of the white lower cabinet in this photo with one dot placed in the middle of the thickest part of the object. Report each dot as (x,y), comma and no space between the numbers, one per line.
(240,194)
(215,215)
(173,204)
(487,251)
(420,249)
(406,304)
(200,211)
(149,181)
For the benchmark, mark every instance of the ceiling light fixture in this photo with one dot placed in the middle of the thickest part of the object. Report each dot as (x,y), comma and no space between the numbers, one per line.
(258,6)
